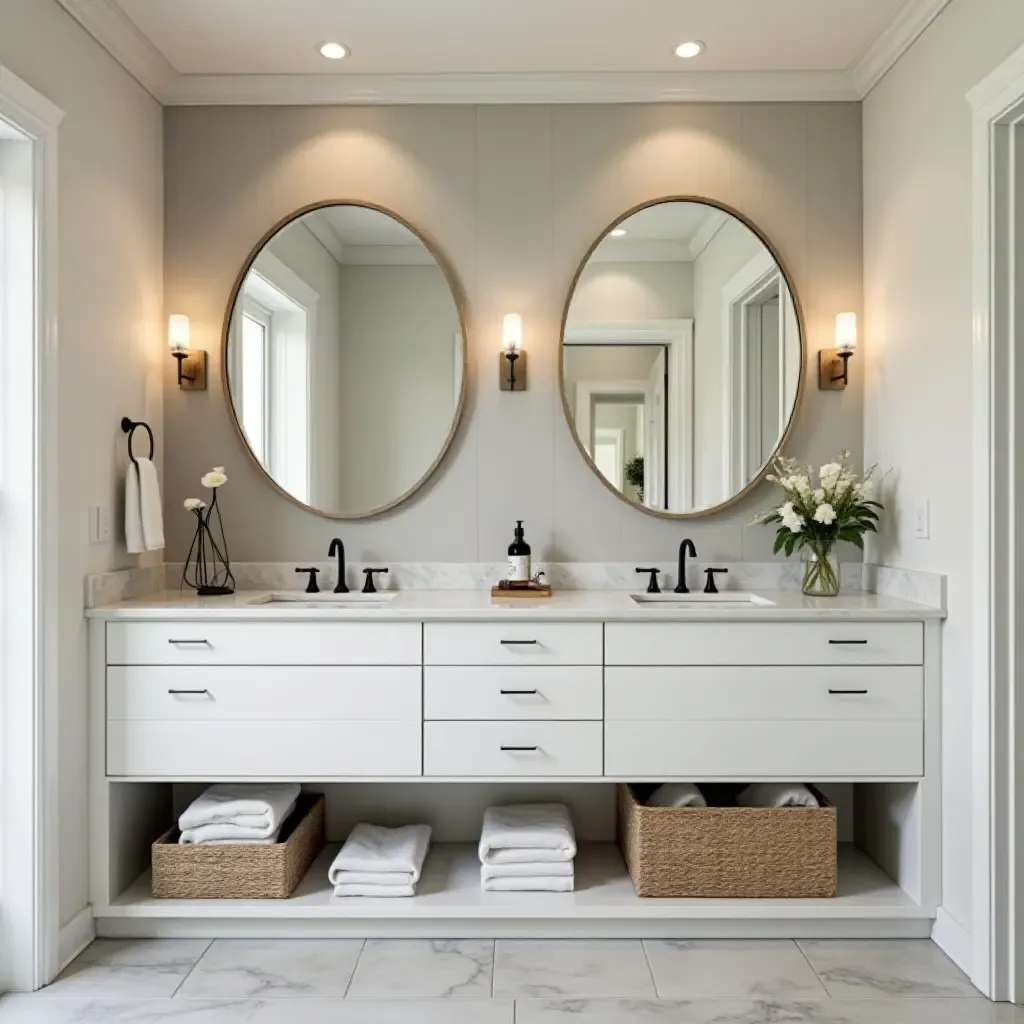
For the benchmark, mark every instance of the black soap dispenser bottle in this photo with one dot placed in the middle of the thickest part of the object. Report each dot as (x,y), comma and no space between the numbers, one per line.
(519,557)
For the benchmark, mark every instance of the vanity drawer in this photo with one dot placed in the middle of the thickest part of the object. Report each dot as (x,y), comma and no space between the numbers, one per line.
(264,750)
(813,751)
(513,643)
(764,643)
(262,693)
(508,692)
(703,693)
(498,749)
(263,643)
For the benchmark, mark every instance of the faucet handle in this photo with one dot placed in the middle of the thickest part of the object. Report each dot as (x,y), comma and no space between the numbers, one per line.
(311,586)
(368,587)
(711,587)
(652,587)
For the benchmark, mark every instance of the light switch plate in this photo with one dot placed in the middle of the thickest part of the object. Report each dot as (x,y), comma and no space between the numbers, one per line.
(922,520)
(99,524)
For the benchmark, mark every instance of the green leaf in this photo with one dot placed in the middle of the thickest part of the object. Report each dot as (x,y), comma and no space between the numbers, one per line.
(779,541)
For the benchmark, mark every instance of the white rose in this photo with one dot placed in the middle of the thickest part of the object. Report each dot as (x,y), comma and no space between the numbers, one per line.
(791,519)
(192,504)
(215,478)
(825,514)
(218,469)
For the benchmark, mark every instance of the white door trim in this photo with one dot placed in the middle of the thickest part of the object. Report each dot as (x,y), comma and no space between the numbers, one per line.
(677,335)
(29,729)
(998,912)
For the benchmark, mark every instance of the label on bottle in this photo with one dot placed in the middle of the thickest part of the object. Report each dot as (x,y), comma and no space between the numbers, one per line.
(519,568)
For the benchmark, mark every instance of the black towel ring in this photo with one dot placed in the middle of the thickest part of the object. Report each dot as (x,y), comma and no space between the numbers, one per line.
(129,427)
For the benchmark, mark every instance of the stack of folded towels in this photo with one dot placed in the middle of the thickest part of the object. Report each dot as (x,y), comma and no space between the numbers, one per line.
(233,813)
(757,794)
(378,861)
(527,848)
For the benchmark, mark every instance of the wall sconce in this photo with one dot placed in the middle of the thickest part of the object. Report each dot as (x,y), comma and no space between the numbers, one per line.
(834,363)
(191,363)
(512,362)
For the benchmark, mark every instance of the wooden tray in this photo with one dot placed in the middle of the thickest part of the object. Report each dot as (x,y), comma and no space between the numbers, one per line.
(530,589)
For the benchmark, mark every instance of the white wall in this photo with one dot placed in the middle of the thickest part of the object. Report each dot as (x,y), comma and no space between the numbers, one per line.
(112,348)
(917,345)
(514,197)
(629,292)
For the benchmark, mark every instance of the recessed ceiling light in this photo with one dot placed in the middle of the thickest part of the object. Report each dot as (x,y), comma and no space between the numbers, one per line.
(333,51)
(693,48)
(618,232)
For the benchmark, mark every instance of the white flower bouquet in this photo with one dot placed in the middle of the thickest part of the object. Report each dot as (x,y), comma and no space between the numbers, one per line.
(813,519)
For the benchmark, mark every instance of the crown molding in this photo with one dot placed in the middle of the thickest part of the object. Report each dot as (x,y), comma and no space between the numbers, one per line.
(118,35)
(672,87)
(895,39)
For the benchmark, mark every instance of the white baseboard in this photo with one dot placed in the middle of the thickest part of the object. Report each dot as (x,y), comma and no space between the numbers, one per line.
(75,936)
(954,940)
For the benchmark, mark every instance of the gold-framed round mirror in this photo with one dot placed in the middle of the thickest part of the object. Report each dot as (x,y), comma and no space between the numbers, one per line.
(682,356)
(344,358)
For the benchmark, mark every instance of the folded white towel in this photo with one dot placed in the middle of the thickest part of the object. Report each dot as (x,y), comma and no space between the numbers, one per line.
(143,511)
(377,891)
(535,883)
(228,832)
(549,869)
(525,833)
(777,794)
(371,849)
(677,794)
(247,805)
(269,841)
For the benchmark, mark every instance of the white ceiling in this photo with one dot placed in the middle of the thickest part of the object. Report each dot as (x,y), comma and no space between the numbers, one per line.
(360,235)
(409,51)
(666,233)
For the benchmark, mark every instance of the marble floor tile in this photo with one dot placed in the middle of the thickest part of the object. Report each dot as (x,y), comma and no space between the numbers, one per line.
(273,968)
(732,969)
(577,969)
(424,969)
(905,968)
(33,1010)
(143,952)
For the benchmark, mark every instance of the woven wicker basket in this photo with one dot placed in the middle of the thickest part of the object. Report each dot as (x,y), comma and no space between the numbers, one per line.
(751,852)
(246,872)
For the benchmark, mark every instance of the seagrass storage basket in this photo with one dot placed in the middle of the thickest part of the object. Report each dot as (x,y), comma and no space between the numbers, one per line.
(732,852)
(246,872)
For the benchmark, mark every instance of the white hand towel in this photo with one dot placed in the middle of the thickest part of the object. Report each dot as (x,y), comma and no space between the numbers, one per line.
(269,841)
(536,883)
(549,869)
(777,794)
(376,850)
(543,831)
(226,832)
(247,805)
(375,891)
(677,794)
(143,512)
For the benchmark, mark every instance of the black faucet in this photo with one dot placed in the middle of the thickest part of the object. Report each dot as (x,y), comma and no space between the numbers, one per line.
(337,548)
(686,548)
(368,587)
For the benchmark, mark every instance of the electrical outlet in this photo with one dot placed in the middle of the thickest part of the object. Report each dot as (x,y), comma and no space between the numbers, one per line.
(922,520)
(99,524)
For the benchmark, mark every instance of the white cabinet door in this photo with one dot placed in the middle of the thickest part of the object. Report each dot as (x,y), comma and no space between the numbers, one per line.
(513,643)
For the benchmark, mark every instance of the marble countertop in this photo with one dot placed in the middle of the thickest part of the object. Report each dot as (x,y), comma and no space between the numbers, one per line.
(478,605)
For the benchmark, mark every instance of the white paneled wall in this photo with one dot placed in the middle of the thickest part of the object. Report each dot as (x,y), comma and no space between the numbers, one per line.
(513,196)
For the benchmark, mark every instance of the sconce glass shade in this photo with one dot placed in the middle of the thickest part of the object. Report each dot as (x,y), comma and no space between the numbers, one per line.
(178,332)
(846,332)
(512,332)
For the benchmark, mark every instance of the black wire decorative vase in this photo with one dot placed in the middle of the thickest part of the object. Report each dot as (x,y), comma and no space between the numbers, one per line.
(208,566)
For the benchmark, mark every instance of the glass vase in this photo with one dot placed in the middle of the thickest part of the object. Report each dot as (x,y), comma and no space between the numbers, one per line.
(821,571)
(208,567)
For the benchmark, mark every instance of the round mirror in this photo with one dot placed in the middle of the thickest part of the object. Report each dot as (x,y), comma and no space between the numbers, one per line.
(344,359)
(682,357)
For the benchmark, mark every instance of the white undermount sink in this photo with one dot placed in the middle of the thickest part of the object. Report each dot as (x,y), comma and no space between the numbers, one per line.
(723,599)
(328,600)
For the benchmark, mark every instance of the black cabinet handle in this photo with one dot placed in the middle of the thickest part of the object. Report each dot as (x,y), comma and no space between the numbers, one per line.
(519,643)
(190,693)
(203,643)
(848,643)
(842,692)
(520,750)
(519,693)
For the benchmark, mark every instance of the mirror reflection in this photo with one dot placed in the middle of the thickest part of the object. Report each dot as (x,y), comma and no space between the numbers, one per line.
(681,357)
(344,360)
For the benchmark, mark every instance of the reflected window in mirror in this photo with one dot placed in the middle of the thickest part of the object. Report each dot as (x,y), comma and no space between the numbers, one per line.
(345,356)
(682,357)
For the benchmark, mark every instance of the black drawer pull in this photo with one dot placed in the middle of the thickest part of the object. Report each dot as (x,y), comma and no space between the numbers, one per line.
(203,643)
(188,693)
(848,643)
(519,643)
(519,693)
(520,750)
(836,693)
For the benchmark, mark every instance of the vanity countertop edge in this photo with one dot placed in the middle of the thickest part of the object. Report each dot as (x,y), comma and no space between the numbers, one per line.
(566,605)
